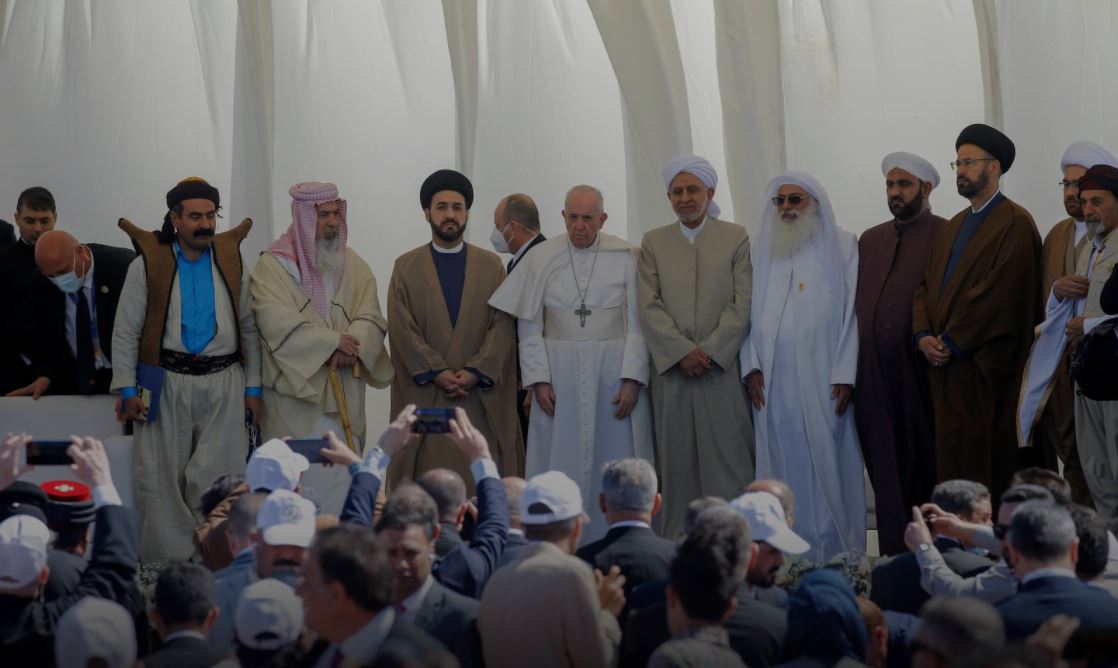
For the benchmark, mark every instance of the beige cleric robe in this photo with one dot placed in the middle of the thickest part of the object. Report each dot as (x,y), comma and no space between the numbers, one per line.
(298,344)
(697,295)
(421,340)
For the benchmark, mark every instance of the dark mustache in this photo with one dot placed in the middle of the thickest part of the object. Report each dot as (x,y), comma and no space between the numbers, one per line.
(286,562)
(204,233)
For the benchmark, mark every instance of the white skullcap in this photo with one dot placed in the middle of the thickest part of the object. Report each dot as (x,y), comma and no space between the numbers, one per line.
(95,628)
(911,163)
(23,550)
(1087,154)
(701,168)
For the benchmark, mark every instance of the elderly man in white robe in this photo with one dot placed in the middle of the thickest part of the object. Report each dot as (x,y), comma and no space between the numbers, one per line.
(317,310)
(581,351)
(800,360)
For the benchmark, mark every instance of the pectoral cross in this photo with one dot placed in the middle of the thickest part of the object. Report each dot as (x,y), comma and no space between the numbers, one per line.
(582,312)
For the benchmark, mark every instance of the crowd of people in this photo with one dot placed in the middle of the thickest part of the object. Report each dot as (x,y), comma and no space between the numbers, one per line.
(631,440)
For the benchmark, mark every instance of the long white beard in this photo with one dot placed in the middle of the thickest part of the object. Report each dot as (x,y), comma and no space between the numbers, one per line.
(328,259)
(789,236)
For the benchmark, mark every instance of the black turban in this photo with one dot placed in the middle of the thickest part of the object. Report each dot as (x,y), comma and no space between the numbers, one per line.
(192,187)
(1100,177)
(446,179)
(991,140)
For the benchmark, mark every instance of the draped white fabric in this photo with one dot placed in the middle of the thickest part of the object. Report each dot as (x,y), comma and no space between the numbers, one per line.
(109,103)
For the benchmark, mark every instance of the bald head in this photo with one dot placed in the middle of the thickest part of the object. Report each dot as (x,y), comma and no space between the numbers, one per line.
(781,491)
(55,252)
(448,490)
(514,490)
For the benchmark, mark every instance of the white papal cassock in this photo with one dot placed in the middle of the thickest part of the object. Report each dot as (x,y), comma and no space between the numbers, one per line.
(585,363)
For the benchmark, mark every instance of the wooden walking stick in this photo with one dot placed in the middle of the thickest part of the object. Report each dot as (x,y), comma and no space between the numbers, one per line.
(339,399)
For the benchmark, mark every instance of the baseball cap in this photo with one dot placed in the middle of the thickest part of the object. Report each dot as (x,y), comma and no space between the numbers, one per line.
(286,518)
(269,615)
(95,628)
(274,466)
(23,498)
(23,550)
(765,516)
(556,491)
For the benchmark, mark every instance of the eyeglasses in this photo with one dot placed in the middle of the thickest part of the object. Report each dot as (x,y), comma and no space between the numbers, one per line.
(794,200)
(1065,184)
(1000,530)
(968,162)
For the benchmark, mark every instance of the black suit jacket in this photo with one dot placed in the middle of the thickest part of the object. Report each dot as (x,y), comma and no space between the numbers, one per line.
(756,632)
(184,653)
(7,234)
(451,619)
(520,392)
(895,581)
(53,358)
(1108,300)
(405,643)
(1039,599)
(27,625)
(515,543)
(467,567)
(641,554)
(17,328)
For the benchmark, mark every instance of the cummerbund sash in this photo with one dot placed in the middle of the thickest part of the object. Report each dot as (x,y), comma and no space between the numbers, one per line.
(602,324)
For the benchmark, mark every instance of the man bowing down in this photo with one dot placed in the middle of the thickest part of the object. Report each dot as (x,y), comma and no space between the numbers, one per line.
(800,360)
(581,350)
(316,308)
(449,347)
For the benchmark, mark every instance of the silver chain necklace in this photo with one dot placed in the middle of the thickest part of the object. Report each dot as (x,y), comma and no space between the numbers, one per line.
(582,311)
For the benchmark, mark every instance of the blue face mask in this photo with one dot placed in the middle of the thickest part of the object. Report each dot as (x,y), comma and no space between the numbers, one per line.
(68,282)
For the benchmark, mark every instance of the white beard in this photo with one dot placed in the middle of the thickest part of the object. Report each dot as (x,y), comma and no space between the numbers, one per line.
(1095,229)
(789,236)
(328,259)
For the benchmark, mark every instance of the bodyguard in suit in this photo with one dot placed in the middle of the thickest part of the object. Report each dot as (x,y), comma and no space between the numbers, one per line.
(185,609)
(346,589)
(73,299)
(1042,546)
(514,490)
(628,501)
(35,215)
(407,528)
(516,230)
(27,622)
(7,234)
(896,580)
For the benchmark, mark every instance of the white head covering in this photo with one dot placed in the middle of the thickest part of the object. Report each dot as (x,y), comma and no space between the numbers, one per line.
(911,163)
(23,550)
(1087,154)
(826,240)
(95,628)
(693,164)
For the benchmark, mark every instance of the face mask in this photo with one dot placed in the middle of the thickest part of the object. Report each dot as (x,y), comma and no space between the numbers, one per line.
(497,238)
(69,282)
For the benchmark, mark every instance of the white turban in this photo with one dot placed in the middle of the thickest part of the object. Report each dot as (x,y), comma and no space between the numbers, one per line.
(703,170)
(911,163)
(1087,154)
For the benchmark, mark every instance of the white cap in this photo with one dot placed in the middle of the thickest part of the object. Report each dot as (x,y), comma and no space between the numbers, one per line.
(286,518)
(554,490)
(269,615)
(911,163)
(95,628)
(765,516)
(23,551)
(274,466)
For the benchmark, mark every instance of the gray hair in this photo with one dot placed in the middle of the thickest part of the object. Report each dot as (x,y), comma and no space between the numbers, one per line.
(959,496)
(1042,531)
(242,514)
(696,508)
(629,484)
(587,189)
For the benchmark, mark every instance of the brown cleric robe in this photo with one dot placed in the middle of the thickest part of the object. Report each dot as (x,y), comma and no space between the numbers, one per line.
(987,309)
(1054,435)
(423,340)
(892,402)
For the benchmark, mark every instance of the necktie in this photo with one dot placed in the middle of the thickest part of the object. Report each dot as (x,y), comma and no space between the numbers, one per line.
(83,336)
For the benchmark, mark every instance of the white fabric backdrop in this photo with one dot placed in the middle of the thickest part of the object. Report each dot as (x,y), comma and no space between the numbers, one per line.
(109,103)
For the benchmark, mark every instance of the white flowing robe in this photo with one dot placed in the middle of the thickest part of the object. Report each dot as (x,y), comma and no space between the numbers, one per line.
(799,439)
(585,375)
